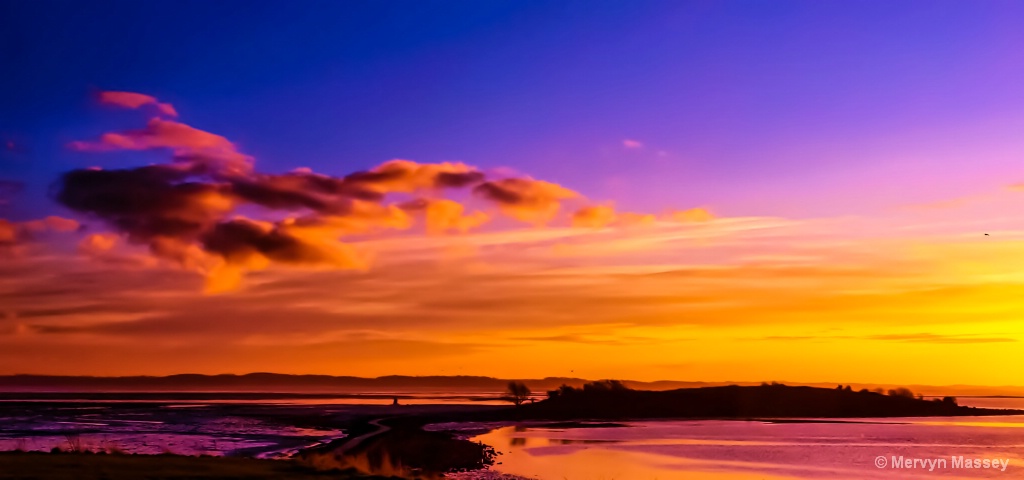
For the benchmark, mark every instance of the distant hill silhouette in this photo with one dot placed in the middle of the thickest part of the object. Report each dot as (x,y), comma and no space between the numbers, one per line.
(275,382)
(611,400)
(285,383)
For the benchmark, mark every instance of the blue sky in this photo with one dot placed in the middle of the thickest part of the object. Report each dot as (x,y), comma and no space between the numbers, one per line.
(751,107)
(860,165)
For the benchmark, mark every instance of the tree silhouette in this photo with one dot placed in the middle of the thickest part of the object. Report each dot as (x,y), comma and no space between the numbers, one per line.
(517,392)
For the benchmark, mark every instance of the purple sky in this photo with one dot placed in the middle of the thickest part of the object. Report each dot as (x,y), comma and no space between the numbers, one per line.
(860,165)
(751,108)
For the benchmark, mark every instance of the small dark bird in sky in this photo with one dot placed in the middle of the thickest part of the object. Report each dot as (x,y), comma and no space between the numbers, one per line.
(986,234)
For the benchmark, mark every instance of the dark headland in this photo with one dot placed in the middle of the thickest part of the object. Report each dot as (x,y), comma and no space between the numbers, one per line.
(613,400)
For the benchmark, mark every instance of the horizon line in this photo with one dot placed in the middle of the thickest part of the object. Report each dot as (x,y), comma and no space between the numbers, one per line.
(723,382)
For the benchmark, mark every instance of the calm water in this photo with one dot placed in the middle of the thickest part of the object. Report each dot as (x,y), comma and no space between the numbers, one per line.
(663,450)
(734,450)
(193,429)
(263,425)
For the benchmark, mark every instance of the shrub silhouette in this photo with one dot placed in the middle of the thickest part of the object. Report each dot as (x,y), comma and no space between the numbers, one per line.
(604,386)
(901,392)
(597,387)
(517,392)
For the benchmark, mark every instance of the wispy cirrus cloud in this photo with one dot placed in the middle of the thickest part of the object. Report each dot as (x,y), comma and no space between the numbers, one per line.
(935,338)
(600,216)
(899,337)
(691,289)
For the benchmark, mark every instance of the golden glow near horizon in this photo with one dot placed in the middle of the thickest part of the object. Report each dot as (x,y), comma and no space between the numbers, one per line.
(909,297)
(805,191)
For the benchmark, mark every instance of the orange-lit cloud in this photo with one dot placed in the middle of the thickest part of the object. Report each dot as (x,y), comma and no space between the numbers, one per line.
(596,216)
(409,176)
(526,199)
(186,210)
(633,219)
(246,245)
(698,214)
(599,216)
(15,234)
(182,210)
(98,243)
(444,215)
(136,100)
(51,224)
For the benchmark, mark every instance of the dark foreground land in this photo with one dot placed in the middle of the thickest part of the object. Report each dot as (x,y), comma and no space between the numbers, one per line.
(390,442)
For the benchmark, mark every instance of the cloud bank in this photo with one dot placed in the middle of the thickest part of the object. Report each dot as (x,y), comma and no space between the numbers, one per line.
(208,209)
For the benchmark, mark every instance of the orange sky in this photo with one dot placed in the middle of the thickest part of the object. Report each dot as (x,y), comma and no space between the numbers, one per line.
(796,191)
(205,264)
(917,296)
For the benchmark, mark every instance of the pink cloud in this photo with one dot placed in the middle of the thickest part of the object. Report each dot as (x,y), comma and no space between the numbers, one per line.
(159,134)
(190,144)
(136,100)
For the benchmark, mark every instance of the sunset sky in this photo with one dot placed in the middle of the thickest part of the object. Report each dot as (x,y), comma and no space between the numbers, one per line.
(730,190)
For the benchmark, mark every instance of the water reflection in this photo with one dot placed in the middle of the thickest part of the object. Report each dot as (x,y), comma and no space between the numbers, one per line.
(259,430)
(671,450)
